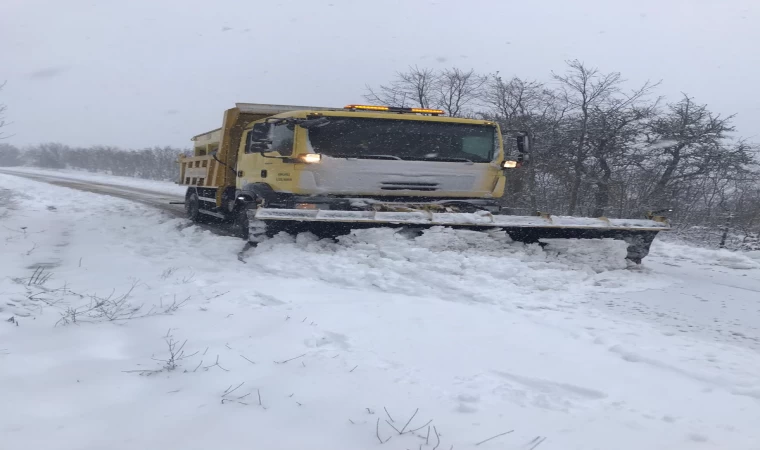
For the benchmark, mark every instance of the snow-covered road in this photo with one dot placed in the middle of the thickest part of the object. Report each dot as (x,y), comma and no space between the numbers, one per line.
(166,196)
(308,343)
(157,194)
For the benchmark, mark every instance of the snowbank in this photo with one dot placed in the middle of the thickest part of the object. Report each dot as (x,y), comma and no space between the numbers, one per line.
(710,257)
(464,335)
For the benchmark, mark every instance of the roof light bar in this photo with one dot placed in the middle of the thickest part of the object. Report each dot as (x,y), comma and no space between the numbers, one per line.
(426,111)
(367,107)
(434,112)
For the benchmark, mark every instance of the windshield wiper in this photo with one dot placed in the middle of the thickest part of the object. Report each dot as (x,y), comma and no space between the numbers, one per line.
(451,160)
(370,157)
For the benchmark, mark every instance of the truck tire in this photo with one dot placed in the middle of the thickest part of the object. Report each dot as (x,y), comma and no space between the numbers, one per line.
(193,207)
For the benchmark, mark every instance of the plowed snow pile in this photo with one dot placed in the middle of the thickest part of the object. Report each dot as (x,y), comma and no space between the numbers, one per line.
(446,339)
(456,265)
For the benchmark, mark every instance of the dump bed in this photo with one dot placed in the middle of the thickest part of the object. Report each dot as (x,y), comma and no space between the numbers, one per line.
(201,169)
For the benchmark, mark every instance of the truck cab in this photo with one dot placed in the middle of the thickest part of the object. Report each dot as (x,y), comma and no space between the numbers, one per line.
(348,159)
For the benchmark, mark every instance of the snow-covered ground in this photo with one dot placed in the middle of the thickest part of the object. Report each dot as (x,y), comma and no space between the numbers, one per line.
(160,187)
(460,336)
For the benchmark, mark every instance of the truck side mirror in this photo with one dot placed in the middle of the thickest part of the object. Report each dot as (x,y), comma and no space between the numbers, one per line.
(523,147)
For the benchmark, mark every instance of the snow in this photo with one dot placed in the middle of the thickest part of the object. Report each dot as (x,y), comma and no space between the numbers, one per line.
(162,187)
(481,335)
(664,143)
(709,257)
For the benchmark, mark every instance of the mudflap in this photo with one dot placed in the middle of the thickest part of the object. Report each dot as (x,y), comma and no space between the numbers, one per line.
(258,231)
(241,254)
(638,241)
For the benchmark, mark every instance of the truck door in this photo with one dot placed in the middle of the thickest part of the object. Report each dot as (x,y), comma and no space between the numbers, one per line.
(270,167)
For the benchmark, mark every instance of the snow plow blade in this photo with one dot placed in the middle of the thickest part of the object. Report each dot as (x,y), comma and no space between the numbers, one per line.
(638,233)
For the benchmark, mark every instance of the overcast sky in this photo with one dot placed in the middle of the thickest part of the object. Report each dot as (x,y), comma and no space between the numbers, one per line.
(136,73)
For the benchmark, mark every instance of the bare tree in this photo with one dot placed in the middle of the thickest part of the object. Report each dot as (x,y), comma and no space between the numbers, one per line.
(583,89)
(746,206)
(9,155)
(525,106)
(456,89)
(614,127)
(49,155)
(415,87)
(690,141)
(517,100)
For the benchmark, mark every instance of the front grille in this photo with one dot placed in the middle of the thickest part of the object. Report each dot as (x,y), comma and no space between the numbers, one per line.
(408,186)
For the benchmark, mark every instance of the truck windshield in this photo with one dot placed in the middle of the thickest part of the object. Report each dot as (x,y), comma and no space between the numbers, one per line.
(404,139)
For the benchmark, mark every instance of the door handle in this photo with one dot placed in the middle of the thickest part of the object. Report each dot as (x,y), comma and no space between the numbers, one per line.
(240,174)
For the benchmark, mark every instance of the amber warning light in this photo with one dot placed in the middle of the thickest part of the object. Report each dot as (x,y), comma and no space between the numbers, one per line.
(434,112)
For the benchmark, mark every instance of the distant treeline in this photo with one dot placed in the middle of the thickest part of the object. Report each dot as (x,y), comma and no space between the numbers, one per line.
(155,163)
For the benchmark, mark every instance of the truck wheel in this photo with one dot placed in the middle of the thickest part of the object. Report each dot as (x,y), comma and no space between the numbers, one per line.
(193,207)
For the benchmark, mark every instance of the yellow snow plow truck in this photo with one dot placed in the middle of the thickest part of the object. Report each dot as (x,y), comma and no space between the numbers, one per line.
(273,168)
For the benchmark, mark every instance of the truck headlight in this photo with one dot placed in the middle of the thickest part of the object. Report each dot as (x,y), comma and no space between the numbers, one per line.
(509,164)
(309,158)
